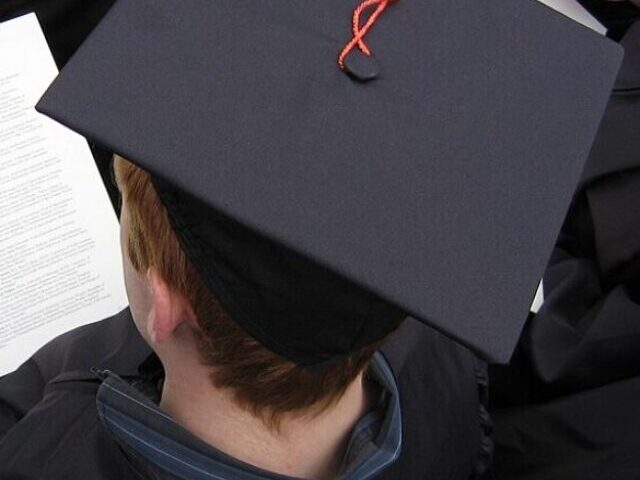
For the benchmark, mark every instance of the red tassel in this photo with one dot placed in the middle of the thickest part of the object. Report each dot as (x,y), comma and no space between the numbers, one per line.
(360,32)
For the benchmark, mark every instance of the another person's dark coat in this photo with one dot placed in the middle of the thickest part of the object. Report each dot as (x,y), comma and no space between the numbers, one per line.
(568,405)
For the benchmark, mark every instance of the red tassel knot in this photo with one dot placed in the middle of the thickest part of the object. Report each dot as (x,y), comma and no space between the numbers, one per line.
(360,32)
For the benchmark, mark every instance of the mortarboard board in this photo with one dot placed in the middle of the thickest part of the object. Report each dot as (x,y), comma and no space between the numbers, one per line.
(321,204)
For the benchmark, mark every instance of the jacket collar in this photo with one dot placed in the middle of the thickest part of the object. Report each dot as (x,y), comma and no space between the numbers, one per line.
(130,412)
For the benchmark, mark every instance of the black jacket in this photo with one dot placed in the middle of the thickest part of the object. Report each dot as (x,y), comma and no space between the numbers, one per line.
(49,427)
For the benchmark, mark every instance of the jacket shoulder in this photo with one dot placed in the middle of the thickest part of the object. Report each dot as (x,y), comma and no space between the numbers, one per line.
(61,437)
(113,343)
(445,425)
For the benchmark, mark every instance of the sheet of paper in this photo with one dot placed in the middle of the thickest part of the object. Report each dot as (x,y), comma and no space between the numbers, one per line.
(538,300)
(60,264)
(575,11)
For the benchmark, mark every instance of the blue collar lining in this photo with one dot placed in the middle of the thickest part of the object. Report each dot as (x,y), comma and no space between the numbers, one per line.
(139,424)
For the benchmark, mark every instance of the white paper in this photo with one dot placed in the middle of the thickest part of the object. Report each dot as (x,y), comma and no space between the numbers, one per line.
(538,300)
(575,11)
(60,263)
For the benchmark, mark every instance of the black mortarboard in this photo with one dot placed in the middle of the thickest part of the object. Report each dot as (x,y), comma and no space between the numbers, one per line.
(321,203)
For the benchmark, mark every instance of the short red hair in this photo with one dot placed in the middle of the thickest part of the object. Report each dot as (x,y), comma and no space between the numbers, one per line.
(260,380)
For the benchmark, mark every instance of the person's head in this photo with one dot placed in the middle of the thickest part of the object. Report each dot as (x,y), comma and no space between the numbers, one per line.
(181,318)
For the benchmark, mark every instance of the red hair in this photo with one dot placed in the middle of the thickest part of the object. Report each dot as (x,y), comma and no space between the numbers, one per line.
(262,381)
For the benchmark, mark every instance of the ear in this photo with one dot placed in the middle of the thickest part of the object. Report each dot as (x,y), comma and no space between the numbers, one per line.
(169,309)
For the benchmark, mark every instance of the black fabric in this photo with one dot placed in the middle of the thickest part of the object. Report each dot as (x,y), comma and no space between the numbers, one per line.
(426,185)
(616,16)
(277,295)
(566,407)
(53,431)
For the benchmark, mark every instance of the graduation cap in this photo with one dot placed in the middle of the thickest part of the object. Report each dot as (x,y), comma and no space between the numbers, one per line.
(330,167)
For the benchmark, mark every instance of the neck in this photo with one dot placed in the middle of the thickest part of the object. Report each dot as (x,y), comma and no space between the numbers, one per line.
(306,446)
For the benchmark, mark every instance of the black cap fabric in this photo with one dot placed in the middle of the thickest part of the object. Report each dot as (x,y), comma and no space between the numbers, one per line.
(295,306)
(429,178)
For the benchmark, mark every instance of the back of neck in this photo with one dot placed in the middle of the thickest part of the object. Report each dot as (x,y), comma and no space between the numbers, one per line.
(305,446)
